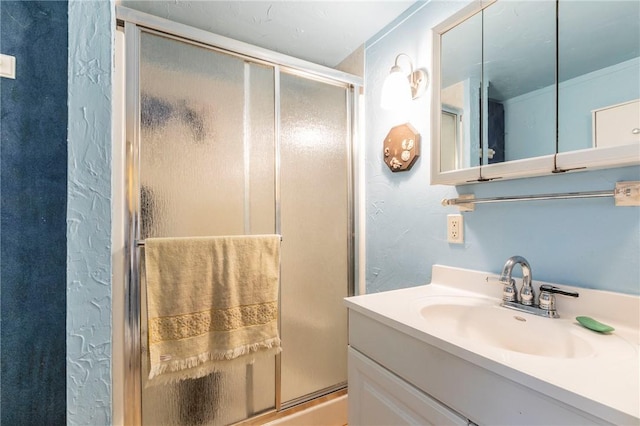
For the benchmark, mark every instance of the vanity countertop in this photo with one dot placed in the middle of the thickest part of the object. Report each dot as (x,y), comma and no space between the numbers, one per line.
(605,385)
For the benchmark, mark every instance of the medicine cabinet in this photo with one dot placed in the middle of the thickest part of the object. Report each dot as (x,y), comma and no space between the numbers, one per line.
(524,88)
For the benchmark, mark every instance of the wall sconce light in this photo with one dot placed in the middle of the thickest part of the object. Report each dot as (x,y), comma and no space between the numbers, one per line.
(399,88)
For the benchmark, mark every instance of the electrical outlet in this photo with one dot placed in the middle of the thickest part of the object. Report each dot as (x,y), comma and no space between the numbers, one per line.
(455,229)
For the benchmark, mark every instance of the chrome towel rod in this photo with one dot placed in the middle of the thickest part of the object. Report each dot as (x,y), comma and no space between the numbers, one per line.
(140,243)
(625,194)
(561,196)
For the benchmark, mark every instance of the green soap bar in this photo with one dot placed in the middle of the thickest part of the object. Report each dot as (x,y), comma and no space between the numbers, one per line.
(594,325)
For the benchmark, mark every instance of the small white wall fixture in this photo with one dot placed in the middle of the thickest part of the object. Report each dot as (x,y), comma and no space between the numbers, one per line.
(8,66)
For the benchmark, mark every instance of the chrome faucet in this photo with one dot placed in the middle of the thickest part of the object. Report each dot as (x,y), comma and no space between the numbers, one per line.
(525,300)
(509,293)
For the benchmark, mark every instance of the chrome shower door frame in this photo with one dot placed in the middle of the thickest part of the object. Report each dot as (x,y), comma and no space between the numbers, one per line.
(134,24)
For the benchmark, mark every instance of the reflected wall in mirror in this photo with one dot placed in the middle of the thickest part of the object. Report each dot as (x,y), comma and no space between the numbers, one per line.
(599,74)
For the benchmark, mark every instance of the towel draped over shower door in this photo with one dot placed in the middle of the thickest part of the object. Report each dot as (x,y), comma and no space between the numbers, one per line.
(212,303)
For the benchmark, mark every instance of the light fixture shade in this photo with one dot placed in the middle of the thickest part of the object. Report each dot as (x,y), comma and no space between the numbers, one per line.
(396,90)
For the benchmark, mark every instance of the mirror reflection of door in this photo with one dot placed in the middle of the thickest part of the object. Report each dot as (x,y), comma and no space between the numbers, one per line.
(493,126)
(495,134)
(450,130)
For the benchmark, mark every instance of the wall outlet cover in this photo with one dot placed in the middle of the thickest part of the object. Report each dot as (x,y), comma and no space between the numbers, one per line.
(455,229)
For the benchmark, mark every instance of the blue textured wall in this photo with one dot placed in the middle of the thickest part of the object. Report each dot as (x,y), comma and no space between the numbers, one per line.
(587,243)
(89,353)
(33,169)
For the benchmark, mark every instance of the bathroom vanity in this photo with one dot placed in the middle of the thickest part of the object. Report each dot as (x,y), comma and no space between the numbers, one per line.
(448,353)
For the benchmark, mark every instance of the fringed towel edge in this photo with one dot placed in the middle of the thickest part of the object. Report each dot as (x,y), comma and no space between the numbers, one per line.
(206,363)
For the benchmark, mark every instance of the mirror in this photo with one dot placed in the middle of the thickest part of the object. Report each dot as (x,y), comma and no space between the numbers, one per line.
(519,80)
(460,95)
(599,68)
(523,84)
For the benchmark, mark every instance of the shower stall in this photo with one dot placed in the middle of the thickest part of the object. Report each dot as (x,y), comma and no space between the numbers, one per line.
(223,138)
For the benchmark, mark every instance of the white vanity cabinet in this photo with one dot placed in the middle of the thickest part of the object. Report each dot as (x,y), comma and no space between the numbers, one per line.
(379,397)
(398,379)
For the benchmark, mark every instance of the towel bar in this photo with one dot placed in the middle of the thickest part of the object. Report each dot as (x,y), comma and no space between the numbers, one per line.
(625,194)
(140,243)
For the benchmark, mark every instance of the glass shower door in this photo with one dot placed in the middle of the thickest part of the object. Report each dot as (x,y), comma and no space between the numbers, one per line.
(227,145)
(204,170)
(315,225)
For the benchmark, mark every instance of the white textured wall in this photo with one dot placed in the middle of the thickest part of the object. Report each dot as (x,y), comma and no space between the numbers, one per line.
(91,34)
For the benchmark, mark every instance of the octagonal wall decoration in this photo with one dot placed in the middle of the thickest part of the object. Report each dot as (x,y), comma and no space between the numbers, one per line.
(401,147)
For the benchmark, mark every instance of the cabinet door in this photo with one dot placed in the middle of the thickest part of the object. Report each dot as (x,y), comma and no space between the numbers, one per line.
(378,397)
(617,125)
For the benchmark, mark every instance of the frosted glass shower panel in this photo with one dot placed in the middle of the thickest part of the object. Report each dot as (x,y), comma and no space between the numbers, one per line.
(191,130)
(259,143)
(315,229)
(206,168)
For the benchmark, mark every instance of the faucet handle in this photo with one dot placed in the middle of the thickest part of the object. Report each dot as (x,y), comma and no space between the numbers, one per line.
(556,290)
(548,299)
(509,291)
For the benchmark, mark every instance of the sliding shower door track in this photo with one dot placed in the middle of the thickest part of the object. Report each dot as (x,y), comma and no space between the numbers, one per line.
(305,403)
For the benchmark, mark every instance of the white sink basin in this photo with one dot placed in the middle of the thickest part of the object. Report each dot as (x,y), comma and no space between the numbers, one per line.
(483,322)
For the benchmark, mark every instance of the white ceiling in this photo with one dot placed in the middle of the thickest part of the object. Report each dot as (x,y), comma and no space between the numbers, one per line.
(323,32)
